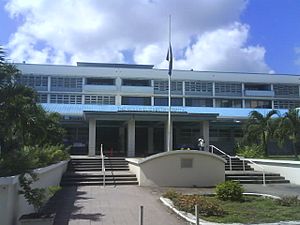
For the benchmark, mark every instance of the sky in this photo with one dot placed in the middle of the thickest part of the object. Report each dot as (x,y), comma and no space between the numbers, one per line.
(216,35)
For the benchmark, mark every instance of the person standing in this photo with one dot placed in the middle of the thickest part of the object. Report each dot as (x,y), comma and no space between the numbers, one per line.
(201,143)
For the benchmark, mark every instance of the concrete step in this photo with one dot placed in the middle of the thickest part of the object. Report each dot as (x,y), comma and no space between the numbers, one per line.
(99,169)
(98,166)
(261,182)
(98,179)
(76,175)
(257,177)
(98,183)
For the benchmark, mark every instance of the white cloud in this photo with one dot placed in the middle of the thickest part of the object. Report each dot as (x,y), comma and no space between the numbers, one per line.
(66,31)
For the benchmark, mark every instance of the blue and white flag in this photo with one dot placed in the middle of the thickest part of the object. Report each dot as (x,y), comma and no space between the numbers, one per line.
(170,59)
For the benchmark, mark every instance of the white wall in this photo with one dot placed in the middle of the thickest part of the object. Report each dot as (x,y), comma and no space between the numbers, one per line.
(13,205)
(164,169)
(288,169)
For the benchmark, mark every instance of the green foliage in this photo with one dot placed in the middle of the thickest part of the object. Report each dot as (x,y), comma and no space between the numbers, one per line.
(259,128)
(288,201)
(253,151)
(207,207)
(229,190)
(36,197)
(171,194)
(29,158)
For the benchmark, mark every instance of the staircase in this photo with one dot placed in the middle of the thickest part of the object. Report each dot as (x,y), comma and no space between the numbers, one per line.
(87,171)
(246,175)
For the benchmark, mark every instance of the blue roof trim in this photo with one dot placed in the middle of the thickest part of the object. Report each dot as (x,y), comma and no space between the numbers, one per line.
(78,110)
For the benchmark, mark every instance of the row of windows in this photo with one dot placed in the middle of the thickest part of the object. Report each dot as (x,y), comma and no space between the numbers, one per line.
(99,100)
(163,101)
(66,83)
(34,81)
(160,86)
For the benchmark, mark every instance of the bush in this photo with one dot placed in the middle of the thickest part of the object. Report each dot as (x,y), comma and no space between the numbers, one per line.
(253,151)
(288,201)
(229,190)
(29,158)
(206,207)
(171,194)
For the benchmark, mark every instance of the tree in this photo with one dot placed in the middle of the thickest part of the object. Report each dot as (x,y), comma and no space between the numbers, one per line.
(289,129)
(22,121)
(260,129)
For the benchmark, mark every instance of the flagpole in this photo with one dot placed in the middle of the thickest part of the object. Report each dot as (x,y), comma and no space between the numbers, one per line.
(169,96)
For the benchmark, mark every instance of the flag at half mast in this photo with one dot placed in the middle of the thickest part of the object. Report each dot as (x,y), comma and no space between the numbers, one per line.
(170,59)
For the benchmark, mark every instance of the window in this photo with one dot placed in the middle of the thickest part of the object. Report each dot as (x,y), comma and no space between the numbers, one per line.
(258,104)
(257,87)
(136,100)
(198,102)
(65,99)
(66,84)
(162,87)
(230,89)
(229,103)
(162,101)
(100,81)
(286,90)
(132,82)
(35,81)
(283,104)
(99,100)
(198,88)
(41,98)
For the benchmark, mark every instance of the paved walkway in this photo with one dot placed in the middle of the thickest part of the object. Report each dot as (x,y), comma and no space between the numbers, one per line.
(112,206)
(120,205)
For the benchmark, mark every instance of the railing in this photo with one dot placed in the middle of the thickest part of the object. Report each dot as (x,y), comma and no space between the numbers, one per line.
(249,160)
(213,148)
(103,166)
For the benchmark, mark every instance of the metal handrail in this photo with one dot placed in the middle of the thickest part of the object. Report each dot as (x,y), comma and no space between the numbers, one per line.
(103,166)
(223,153)
(263,170)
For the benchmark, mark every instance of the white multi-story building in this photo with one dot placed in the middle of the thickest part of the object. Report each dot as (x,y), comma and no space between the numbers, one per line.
(124,107)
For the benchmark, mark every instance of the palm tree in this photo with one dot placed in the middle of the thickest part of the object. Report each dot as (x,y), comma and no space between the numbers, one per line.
(289,129)
(260,128)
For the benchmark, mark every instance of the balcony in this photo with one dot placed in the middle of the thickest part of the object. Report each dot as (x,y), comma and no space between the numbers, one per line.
(137,89)
(90,88)
(256,93)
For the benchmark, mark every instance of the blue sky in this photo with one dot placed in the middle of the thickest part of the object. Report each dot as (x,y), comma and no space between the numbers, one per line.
(230,35)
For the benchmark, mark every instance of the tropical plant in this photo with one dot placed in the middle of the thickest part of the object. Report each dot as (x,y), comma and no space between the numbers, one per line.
(250,151)
(260,128)
(289,129)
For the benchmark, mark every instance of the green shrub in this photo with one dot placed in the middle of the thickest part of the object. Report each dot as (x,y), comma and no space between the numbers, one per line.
(253,151)
(171,194)
(29,158)
(206,207)
(288,201)
(229,190)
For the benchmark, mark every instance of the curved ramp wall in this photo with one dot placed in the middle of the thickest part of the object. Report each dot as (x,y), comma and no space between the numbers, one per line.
(183,168)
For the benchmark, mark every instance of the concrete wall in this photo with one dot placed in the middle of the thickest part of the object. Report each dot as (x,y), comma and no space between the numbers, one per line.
(289,169)
(166,169)
(13,205)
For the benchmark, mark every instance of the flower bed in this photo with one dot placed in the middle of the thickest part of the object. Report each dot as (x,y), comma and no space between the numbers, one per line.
(250,209)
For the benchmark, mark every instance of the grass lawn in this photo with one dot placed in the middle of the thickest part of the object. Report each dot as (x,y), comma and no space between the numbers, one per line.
(255,210)
(251,209)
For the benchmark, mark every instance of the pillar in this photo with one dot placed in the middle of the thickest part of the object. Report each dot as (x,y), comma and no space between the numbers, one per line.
(205,132)
(131,138)
(92,137)
(166,136)
(150,140)
(122,139)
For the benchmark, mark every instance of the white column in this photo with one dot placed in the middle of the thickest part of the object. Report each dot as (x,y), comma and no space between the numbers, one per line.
(122,139)
(205,132)
(150,140)
(92,137)
(131,138)
(214,93)
(166,136)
